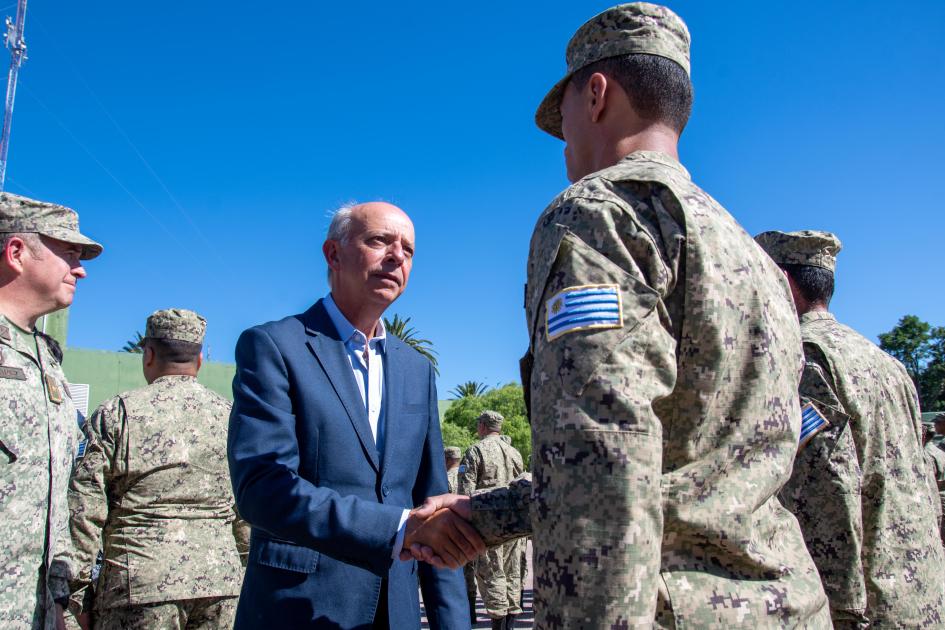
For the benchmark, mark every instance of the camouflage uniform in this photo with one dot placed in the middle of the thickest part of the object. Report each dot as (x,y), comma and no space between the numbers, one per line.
(154,489)
(39,437)
(936,461)
(452,475)
(861,489)
(662,375)
(489,463)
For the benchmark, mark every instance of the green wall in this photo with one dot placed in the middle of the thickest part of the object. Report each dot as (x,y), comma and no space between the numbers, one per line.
(109,373)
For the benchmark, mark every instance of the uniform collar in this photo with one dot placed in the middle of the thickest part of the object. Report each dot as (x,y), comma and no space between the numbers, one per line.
(816,316)
(172,378)
(659,158)
(10,335)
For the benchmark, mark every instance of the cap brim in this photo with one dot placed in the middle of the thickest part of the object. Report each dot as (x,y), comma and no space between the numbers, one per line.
(548,114)
(90,249)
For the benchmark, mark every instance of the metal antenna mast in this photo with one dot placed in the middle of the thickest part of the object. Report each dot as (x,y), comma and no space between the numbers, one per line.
(14,41)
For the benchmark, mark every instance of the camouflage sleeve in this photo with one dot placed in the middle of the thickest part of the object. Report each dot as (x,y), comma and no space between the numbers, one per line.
(502,514)
(241,532)
(469,471)
(824,493)
(63,568)
(88,499)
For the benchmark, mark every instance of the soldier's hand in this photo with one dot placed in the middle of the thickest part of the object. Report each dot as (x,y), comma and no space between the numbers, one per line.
(84,620)
(458,503)
(60,618)
(451,541)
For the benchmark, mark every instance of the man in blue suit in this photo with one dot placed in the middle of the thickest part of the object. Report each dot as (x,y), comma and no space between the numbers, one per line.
(334,435)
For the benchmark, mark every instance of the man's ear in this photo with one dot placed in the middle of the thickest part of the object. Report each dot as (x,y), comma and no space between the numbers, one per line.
(199,361)
(147,356)
(14,253)
(597,94)
(330,250)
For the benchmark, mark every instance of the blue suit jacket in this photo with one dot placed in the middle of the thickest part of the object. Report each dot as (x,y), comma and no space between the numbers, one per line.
(324,506)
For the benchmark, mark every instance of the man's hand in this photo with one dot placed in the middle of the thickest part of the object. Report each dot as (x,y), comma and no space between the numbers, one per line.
(444,539)
(437,533)
(60,618)
(84,620)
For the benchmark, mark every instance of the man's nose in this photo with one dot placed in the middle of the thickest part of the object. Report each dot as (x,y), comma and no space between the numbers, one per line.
(396,252)
(78,271)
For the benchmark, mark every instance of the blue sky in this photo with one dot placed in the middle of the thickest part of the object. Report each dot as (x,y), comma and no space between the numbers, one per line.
(205,143)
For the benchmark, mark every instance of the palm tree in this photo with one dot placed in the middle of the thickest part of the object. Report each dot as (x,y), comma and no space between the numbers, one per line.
(469,389)
(408,334)
(133,345)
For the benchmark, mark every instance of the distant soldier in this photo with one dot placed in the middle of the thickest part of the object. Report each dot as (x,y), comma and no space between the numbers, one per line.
(153,490)
(453,456)
(493,462)
(936,460)
(40,253)
(860,487)
(939,437)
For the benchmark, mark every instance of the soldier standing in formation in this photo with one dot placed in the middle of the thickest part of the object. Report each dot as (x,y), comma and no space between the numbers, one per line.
(935,457)
(938,439)
(493,462)
(452,455)
(861,488)
(153,491)
(40,253)
(662,370)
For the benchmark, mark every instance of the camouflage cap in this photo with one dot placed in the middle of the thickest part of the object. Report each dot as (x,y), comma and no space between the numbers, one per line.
(637,27)
(806,247)
(492,419)
(453,452)
(176,323)
(22,214)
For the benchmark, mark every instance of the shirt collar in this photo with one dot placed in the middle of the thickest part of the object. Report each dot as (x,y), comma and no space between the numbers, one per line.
(346,330)
(813,316)
(658,157)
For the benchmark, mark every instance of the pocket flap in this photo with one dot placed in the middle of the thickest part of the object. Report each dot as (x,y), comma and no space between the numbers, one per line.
(284,555)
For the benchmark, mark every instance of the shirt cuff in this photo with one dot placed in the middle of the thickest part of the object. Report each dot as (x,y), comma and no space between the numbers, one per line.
(401,530)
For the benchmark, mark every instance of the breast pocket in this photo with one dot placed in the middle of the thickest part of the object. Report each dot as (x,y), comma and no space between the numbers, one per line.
(585,315)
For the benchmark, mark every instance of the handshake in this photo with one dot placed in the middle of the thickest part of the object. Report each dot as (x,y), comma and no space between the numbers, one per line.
(438,532)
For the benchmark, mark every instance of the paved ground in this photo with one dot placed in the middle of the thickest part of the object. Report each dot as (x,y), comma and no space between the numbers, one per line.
(525,621)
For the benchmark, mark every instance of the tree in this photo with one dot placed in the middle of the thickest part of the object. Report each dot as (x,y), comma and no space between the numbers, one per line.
(408,334)
(469,388)
(921,349)
(507,400)
(133,345)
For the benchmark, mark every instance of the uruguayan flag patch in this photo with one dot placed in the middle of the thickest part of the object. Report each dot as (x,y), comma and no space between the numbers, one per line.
(583,308)
(812,423)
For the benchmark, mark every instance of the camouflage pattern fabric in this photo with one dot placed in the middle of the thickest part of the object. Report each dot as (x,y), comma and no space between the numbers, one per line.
(936,460)
(22,214)
(805,247)
(489,463)
(39,437)
(661,439)
(452,479)
(177,324)
(154,488)
(859,385)
(214,613)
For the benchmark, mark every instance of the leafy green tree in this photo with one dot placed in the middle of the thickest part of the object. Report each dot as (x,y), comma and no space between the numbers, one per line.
(133,345)
(921,349)
(454,435)
(469,388)
(401,329)
(508,401)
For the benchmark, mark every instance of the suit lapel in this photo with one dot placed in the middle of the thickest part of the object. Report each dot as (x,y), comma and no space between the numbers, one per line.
(331,354)
(393,390)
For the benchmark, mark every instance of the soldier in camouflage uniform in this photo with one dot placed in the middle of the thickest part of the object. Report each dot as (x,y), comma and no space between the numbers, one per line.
(662,371)
(493,462)
(938,439)
(935,458)
(453,456)
(153,491)
(40,252)
(861,488)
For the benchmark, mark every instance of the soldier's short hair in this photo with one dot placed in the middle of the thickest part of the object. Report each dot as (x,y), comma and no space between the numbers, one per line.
(31,239)
(173,350)
(814,283)
(659,88)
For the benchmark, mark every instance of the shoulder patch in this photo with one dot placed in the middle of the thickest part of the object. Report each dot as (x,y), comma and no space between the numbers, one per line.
(583,307)
(812,423)
(462,469)
(5,332)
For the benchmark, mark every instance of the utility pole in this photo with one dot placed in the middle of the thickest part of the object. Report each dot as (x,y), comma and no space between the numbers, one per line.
(17,46)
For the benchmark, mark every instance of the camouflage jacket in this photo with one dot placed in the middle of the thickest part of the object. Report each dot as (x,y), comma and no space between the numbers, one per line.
(452,480)
(39,436)
(153,492)
(664,414)
(859,386)
(491,462)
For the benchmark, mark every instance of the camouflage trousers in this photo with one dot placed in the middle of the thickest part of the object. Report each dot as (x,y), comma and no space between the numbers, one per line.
(499,574)
(209,613)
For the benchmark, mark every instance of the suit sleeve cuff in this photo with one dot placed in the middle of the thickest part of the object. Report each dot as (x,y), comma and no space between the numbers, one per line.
(401,530)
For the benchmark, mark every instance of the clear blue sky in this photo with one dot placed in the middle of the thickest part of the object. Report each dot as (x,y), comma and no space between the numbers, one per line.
(204,144)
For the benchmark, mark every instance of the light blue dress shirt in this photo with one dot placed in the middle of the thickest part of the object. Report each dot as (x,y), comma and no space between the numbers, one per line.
(366,357)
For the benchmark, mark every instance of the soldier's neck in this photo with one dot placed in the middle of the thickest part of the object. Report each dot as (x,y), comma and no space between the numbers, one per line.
(18,311)
(657,138)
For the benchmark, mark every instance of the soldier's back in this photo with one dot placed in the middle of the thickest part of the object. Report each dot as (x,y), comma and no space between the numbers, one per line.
(902,556)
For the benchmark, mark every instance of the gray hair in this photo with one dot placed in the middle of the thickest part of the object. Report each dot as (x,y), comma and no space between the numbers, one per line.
(340,227)
(32,240)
